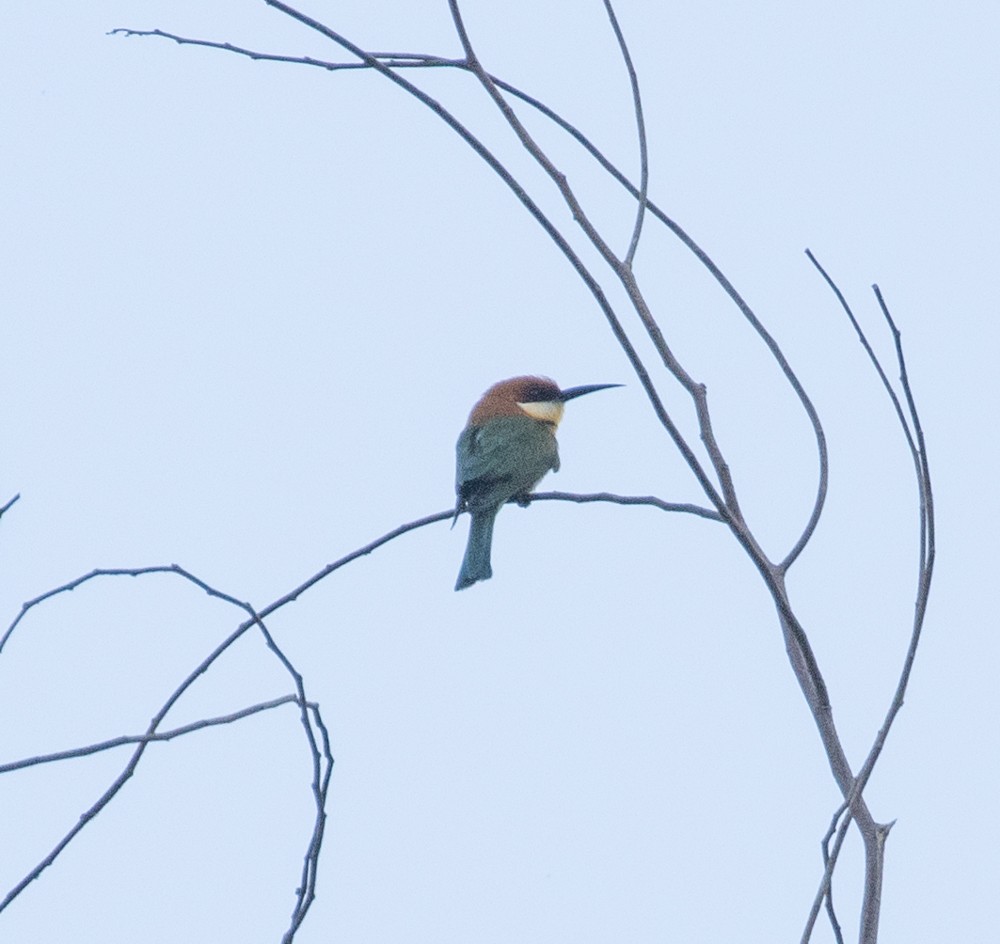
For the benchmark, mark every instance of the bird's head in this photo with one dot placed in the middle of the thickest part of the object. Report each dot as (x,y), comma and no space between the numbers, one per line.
(536,397)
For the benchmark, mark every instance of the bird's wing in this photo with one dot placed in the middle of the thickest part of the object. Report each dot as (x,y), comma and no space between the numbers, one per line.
(503,458)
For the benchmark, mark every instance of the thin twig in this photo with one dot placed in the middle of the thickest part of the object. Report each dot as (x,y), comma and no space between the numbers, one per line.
(112,743)
(825,887)
(109,794)
(6,507)
(640,132)
(872,356)
(652,500)
(874,844)
(918,450)
(322,769)
(394,60)
(111,572)
(294,594)
(306,889)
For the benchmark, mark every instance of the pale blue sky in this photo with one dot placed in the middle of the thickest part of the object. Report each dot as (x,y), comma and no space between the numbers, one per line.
(247,308)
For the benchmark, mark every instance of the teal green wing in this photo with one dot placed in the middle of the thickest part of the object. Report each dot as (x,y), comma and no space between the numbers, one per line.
(505,457)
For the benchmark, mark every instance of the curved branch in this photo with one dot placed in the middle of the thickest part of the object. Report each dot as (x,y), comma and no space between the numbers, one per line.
(640,132)
(874,844)
(918,452)
(309,713)
(113,572)
(322,765)
(133,762)
(824,890)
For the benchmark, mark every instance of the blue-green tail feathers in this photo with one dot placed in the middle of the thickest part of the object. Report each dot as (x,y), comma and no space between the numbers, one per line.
(476,563)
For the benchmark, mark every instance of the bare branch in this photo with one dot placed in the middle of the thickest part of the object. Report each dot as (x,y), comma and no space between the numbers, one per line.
(321,789)
(874,844)
(114,572)
(683,507)
(921,465)
(306,888)
(109,794)
(640,131)
(873,357)
(322,771)
(829,861)
(393,60)
(925,572)
(121,741)
(447,516)
(6,507)
(917,446)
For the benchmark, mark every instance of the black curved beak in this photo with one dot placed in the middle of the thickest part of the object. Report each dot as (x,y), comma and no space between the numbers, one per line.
(574,392)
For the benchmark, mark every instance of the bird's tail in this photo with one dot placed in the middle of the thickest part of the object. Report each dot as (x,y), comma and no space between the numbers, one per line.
(476,564)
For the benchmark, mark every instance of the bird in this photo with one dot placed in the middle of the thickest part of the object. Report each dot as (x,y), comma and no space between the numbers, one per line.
(506,447)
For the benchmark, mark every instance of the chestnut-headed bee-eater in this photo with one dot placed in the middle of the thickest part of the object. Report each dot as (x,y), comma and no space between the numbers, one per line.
(508,444)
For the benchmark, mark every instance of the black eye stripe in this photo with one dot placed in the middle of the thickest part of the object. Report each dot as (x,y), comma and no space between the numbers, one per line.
(536,393)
